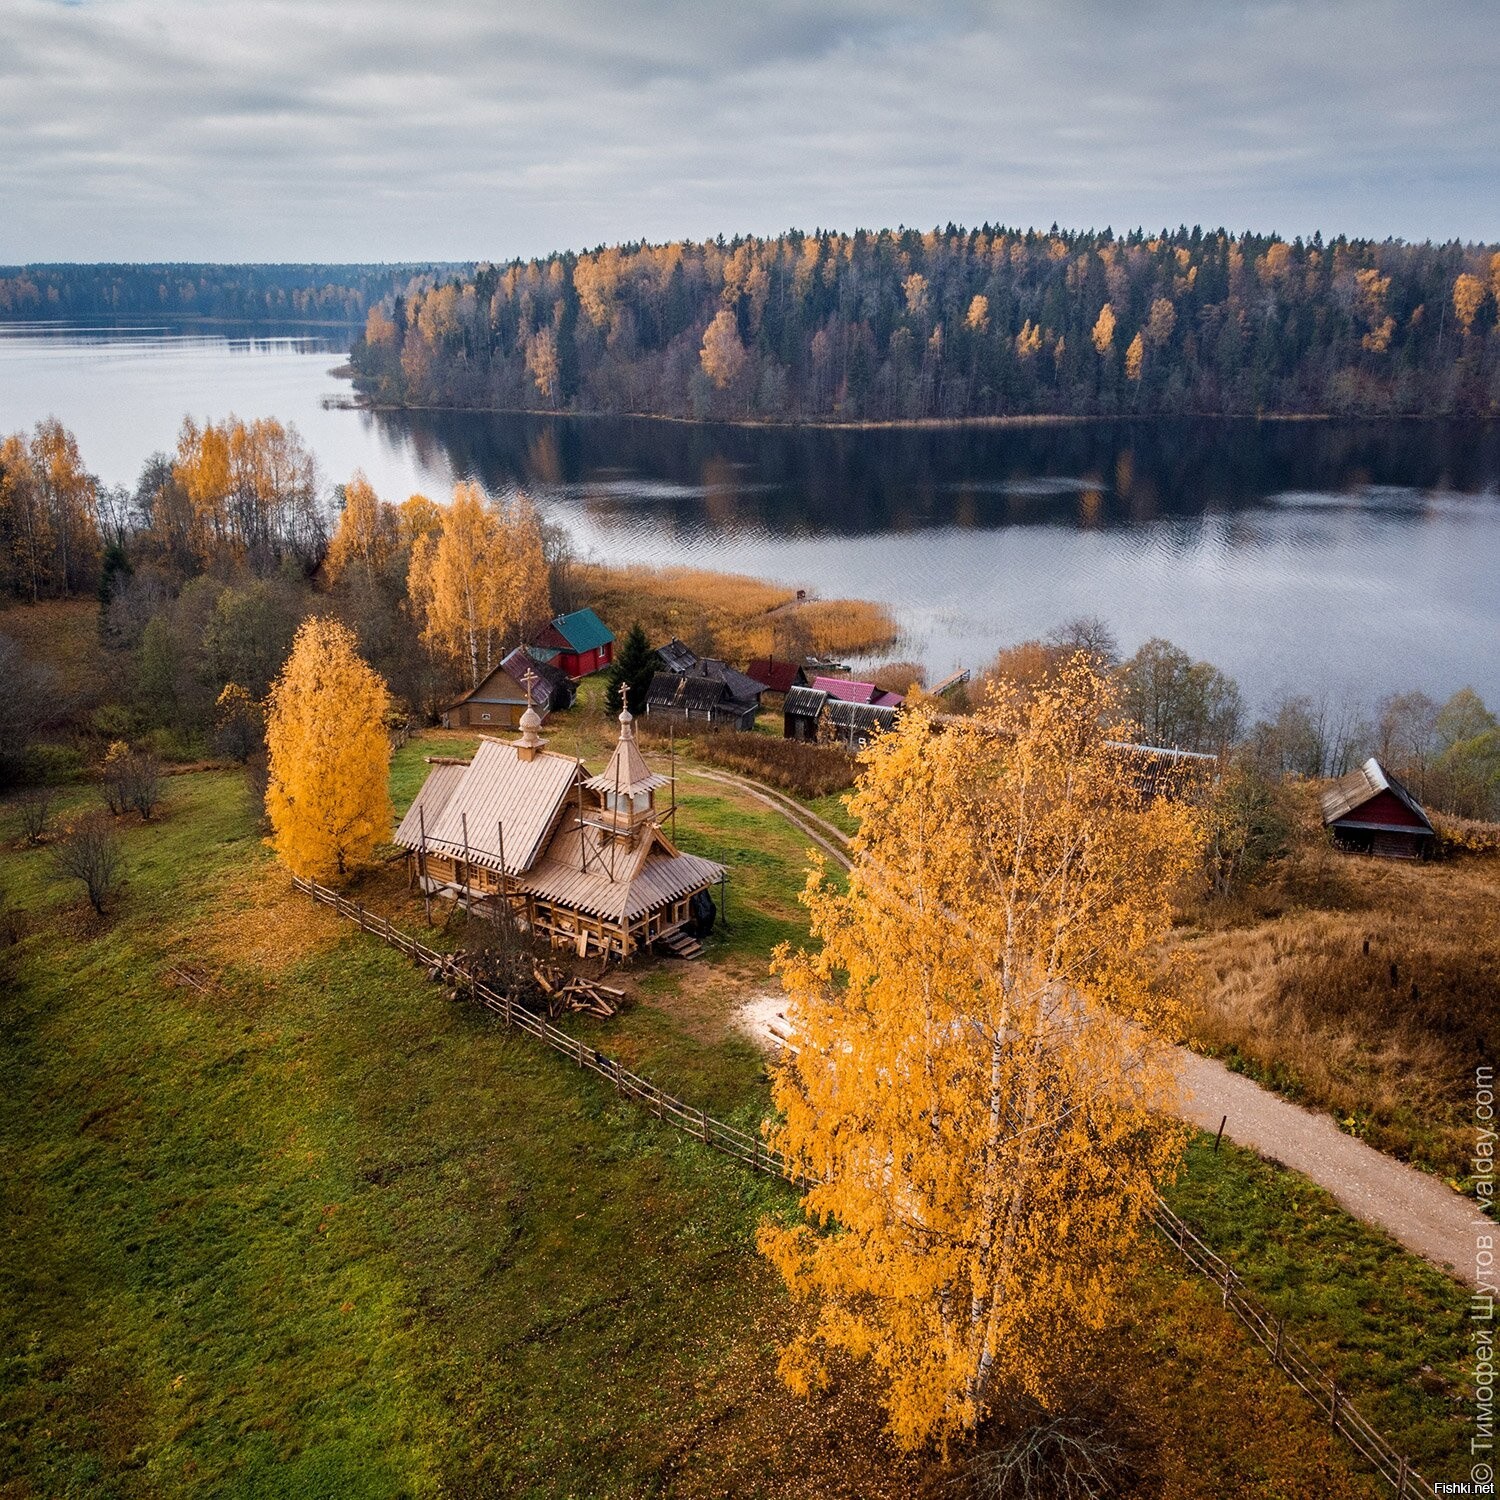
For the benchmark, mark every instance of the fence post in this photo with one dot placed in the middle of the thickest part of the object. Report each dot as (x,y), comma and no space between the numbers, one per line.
(703,1121)
(1401,1480)
(1228,1278)
(1333,1404)
(1281,1324)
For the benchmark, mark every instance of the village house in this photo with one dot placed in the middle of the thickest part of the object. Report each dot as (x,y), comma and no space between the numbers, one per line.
(582,861)
(776,676)
(497,701)
(1370,812)
(685,698)
(552,690)
(838,711)
(577,644)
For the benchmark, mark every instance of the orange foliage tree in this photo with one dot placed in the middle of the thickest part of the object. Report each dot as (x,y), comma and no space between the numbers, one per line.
(480,580)
(328,753)
(367,537)
(979,1092)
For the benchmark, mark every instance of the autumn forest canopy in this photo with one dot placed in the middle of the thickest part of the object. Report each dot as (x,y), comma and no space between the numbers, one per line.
(954,323)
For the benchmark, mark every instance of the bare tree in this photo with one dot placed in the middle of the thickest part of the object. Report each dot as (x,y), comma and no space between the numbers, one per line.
(36,808)
(90,851)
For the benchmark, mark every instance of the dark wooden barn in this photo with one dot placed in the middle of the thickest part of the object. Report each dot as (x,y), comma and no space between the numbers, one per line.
(552,691)
(1370,812)
(688,698)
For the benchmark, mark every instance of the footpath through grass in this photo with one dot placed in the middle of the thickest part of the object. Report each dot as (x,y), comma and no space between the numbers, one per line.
(305,1227)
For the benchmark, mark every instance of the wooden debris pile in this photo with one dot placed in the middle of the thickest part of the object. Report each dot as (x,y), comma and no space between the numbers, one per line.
(572,992)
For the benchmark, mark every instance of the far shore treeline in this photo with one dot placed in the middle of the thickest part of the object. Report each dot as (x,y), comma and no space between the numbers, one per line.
(950,324)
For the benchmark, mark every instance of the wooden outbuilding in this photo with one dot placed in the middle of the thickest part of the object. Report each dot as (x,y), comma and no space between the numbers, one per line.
(1370,812)
(580,860)
(577,644)
(687,698)
(497,701)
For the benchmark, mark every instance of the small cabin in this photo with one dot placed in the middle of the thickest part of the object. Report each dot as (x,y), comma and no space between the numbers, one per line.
(1370,812)
(497,701)
(816,714)
(581,861)
(577,644)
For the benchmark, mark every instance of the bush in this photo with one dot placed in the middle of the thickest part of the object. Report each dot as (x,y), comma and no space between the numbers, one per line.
(1465,835)
(794,766)
(90,852)
(52,765)
(36,808)
(111,721)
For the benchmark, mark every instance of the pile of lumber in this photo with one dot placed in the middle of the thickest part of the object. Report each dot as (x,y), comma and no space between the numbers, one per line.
(572,992)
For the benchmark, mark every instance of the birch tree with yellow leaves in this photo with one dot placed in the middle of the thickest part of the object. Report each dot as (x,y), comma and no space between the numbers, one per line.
(979,1094)
(479,581)
(328,752)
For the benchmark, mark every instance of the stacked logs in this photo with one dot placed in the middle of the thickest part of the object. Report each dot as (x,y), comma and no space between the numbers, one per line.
(571,992)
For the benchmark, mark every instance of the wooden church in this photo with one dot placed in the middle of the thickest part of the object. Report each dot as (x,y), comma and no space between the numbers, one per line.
(582,860)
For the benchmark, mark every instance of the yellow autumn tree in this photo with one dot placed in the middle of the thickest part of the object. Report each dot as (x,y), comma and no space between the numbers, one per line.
(480,581)
(722,354)
(978,1093)
(1104,329)
(367,535)
(1134,357)
(1468,296)
(328,755)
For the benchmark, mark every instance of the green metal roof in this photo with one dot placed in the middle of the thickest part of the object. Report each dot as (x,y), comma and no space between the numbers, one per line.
(583,630)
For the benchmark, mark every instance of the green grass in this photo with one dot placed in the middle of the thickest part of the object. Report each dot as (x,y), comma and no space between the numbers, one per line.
(1393,1329)
(322,1232)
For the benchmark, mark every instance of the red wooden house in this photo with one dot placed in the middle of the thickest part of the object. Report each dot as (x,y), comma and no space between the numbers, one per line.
(1369,811)
(577,644)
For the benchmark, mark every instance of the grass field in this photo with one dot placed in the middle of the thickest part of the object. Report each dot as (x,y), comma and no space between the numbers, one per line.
(305,1227)
(1366,987)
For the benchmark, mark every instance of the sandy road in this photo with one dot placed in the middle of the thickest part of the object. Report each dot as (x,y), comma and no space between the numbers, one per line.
(1415,1209)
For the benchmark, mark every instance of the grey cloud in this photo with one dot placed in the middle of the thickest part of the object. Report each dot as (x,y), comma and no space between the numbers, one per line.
(273,129)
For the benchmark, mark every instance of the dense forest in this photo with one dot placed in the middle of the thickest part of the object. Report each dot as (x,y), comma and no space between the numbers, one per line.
(953,323)
(260,293)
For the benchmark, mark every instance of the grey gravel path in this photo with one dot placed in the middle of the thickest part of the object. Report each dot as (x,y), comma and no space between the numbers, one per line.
(1416,1209)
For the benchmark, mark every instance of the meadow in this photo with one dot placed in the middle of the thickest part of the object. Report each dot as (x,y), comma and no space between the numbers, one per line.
(283,1218)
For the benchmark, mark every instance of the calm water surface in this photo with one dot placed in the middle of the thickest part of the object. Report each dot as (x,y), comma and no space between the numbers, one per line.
(1346,559)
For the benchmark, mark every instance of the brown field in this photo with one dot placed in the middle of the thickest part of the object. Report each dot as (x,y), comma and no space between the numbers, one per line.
(1366,987)
(62,635)
(731,616)
(807,770)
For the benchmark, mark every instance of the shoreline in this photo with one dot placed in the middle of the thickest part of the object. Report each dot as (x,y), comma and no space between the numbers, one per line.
(1016,420)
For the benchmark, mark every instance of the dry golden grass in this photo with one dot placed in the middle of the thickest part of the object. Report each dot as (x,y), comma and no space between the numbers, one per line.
(731,616)
(258,922)
(63,636)
(1367,987)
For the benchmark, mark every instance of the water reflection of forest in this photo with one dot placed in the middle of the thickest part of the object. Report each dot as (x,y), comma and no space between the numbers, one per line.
(788,480)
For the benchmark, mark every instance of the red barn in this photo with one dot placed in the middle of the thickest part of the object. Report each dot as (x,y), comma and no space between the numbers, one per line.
(1370,812)
(577,643)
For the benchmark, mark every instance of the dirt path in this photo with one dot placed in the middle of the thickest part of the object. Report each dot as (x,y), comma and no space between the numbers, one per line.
(1414,1208)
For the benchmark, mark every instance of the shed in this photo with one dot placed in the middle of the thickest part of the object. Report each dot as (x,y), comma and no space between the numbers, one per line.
(497,701)
(777,676)
(854,725)
(800,712)
(577,643)
(1370,812)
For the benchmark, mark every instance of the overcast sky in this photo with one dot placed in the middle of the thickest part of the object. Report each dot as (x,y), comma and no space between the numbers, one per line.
(464,129)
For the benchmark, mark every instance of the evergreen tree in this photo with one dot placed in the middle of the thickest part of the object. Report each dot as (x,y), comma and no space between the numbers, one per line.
(631,673)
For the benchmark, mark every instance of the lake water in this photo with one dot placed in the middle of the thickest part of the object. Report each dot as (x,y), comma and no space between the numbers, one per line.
(1342,558)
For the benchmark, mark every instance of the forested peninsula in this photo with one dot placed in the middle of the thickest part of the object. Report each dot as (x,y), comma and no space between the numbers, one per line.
(903,325)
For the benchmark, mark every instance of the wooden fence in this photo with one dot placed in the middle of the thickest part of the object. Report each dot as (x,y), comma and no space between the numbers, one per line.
(1268,1330)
